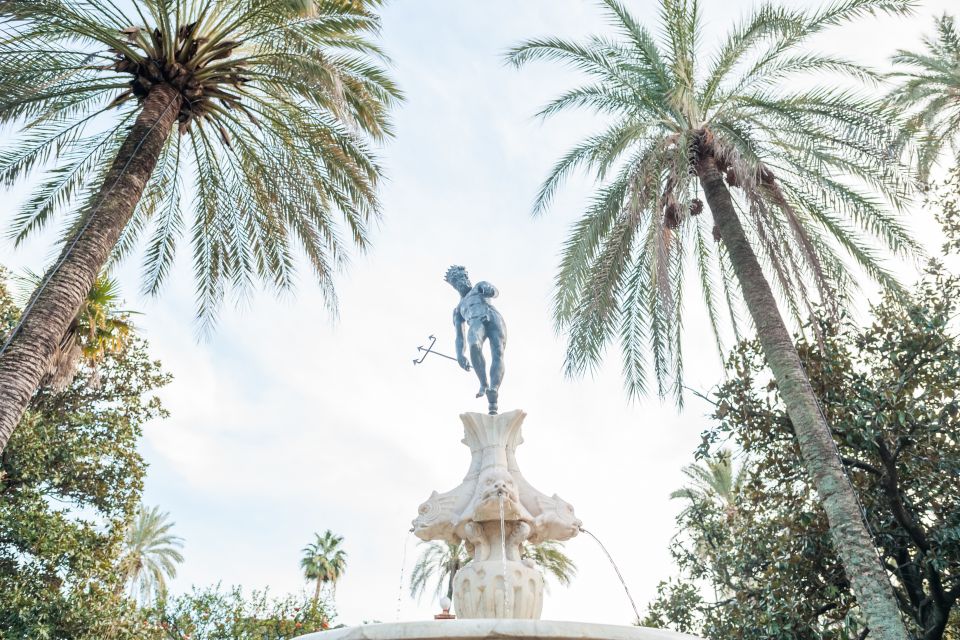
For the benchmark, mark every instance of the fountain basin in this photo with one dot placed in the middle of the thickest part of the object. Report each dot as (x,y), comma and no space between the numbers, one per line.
(482,629)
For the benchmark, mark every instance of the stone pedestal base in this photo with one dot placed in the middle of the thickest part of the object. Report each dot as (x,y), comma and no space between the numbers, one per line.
(479,590)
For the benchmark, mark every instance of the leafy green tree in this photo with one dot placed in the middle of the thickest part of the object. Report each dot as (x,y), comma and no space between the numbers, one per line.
(795,174)
(70,482)
(151,554)
(324,561)
(214,614)
(265,107)
(439,563)
(889,390)
(928,84)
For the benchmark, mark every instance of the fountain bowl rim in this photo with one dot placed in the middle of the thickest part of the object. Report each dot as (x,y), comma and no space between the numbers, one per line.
(499,628)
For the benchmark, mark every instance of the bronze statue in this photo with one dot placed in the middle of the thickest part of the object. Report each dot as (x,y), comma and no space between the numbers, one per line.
(476,320)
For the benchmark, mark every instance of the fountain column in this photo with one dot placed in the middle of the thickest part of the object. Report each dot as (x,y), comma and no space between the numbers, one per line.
(495,511)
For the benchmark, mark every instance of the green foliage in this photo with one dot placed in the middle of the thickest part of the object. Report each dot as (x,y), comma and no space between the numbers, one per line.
(213,614)
(768,568)
(150,554)
(70,481)
(927,90)
(812,163)
(278,104)
(946,202)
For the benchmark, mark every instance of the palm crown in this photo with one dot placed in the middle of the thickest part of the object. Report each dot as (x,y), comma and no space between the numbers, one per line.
(929,90)
(814,169)
(716,481)
(276,101)
(150,554)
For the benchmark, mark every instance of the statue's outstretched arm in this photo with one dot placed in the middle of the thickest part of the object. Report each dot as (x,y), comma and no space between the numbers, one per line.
(461,344)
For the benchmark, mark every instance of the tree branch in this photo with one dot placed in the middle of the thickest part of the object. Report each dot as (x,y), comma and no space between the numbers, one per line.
(865,466)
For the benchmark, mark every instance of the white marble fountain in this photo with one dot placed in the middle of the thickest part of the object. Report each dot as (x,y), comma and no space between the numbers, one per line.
(498,594)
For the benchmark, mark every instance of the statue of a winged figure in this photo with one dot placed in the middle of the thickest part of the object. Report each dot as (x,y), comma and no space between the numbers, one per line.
(475,321)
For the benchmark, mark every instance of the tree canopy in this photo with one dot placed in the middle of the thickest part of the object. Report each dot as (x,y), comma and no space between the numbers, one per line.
(70,482)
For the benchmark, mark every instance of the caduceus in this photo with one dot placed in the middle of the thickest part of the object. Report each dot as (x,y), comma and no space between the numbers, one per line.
(475,321)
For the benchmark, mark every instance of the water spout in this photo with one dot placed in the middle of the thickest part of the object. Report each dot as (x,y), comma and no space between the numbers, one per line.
(617,569)
(503,555)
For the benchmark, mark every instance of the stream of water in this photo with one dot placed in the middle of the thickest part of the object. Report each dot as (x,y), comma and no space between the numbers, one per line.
(503,556)
(403,565)
(617,569)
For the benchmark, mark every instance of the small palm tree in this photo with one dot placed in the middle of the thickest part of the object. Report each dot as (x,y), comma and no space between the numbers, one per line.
(324,561)
(261,111)
(549,556)
(928,92)
(150,554)
(439,563)
(715,480)
(718,482)
(98,329)
(795,176)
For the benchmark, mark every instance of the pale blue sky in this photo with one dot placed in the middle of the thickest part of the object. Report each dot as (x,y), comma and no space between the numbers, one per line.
(285,423)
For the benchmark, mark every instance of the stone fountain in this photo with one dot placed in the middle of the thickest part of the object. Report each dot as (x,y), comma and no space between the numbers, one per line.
(494,511)
(498,594)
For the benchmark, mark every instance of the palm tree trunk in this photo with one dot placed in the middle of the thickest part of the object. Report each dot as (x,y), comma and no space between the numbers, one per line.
(453,573)
(860,559)
(316,593)
(24,361)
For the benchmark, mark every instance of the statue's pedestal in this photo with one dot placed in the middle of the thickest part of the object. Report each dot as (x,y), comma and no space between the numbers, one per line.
(495,511)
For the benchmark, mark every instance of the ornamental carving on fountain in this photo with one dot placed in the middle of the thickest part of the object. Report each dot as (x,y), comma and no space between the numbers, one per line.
(498,582)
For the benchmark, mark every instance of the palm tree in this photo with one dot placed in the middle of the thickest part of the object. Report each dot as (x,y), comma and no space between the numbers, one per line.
(150,554)
(439,563)
(549,556)
(324,561)
(716,480)
(265,107)
(929,92)
(794,174)
(98,329)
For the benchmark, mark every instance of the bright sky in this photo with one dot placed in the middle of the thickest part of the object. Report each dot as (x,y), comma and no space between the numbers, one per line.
(285,423)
